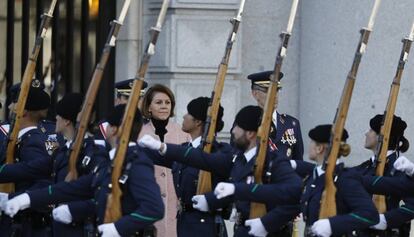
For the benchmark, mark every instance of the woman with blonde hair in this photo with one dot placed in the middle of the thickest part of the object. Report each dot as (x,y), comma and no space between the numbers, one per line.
(158,107)
(355,209)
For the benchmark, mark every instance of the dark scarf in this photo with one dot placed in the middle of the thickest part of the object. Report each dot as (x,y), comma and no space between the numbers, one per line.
(160,127)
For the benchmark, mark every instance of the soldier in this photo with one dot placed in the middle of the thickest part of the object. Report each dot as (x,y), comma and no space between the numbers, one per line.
(285,133)
(355,209)
(31,169)
(141,198)
(191,222)
(46,125)
(397,143)
(72,218)
(281,192)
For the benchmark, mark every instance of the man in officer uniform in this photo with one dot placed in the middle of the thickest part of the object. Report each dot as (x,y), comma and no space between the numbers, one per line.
(141,198)
(285,133)
(281,191)
(31,167)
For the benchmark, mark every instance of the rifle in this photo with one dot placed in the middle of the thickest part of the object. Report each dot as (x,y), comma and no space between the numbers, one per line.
(204,178)
(383,138)
(15,121)
(328,202)
(113,206)
(91,94)
(259,209)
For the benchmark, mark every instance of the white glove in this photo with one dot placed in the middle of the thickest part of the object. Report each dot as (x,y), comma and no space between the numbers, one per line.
(256,227)
(16,204)
(322,228)
(62,214)
(108,230)
(223,190)
(293,164)
(200,203)
(4,197)
(149,142)
(382,224)
(404,165)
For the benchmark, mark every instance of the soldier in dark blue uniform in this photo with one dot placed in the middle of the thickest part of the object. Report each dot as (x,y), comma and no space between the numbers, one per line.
(31,167)
(355,209)
(280,193)
(71,219)
(192,222)
(45,125)
(141,198)
(397,143)
(285,133)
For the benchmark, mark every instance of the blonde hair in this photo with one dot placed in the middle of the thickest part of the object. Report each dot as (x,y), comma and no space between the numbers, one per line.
(344,149)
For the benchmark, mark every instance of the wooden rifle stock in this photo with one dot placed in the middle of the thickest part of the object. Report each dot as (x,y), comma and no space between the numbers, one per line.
(259,209)
(386,124)
(328,200)
(29,71)
(113,206)
(204,178)
(91,94)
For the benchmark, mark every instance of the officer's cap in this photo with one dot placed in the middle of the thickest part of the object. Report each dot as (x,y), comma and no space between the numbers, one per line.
(249,118)
(198,109)
(322,133)
(69,106)
(125,87)
(115,117)
(262,79)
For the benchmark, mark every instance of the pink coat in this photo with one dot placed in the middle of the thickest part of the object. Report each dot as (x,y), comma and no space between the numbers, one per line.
(167,227)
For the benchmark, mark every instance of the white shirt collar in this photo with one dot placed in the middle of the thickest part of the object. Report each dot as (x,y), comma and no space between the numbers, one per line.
(196,142)
(274,118)
(250,153)
(67,144)
(25,130)
(320,171)
(389,152)
(113,150)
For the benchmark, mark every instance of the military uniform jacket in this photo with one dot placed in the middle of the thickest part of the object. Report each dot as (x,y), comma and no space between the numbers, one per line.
(47,127)
(225,162)
(32,166)
(400,187)
(190,222)
(91,156)
(396,215)
(286,138)
(355,209)
(141,199)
